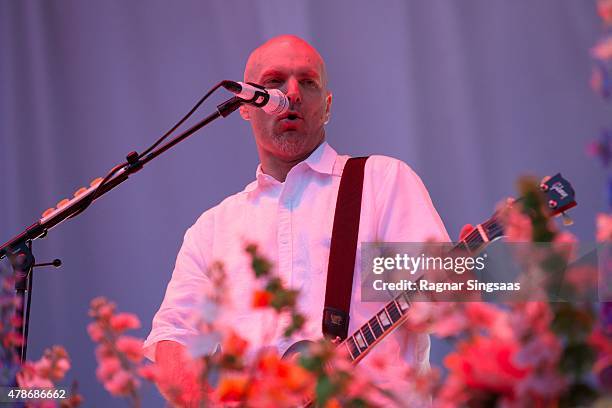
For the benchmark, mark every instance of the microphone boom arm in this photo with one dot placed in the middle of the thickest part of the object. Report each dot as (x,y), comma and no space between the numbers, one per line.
(19,248)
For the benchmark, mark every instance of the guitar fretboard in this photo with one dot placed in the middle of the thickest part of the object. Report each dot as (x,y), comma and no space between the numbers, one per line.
(395,312)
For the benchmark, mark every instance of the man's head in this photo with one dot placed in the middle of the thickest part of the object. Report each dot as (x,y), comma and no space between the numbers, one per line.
(296,68)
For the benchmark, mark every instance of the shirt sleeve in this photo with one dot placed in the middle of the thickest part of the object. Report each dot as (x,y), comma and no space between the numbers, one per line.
(175,318)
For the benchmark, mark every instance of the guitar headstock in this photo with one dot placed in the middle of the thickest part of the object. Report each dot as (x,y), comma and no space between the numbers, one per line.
(560,194)
(560,197)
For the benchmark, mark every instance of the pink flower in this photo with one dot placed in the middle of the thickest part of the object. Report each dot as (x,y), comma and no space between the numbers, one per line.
(530,317)
(61,367)
(232,388)
(486,364)
(604,9)
(43,365)
(360,385)
(16,321)
(235,345)
(12,339)
(604,227)
(453,393)
(54,370)
(106,311)
(148,372)
(103,351)
(28,377)
(517,226)
(107,368)
(121,383)
(450,324)
(420,316)
(583,278)
(124,321)
(481,314)
(95,331)
(600,341)
(131,347)
(603,50)
(597,85)
(261,298)
(566,244)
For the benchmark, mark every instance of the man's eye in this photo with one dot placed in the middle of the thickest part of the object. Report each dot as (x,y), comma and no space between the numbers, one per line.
(309,82)
(272,82)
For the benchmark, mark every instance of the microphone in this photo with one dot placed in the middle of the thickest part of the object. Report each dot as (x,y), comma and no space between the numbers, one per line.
(272,101)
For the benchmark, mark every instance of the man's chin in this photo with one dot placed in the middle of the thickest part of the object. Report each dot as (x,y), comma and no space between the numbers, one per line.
(291,145)
(290,133)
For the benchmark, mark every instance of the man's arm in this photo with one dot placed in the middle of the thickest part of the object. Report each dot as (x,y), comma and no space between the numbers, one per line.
(177,375)
(174,323)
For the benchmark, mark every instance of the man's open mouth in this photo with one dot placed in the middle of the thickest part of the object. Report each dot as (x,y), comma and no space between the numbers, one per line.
(291,115)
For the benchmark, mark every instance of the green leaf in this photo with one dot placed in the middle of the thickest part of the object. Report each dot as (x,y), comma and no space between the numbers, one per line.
(578,395)
(577,359)
(297,321)
(324,390)
(572,322)
(274,285)
(261,266)
(357,403)
(314,364)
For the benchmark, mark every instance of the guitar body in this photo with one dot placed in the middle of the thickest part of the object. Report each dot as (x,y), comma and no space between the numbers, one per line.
(297,348)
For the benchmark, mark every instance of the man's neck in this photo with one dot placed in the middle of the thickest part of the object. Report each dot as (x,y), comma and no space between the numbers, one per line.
(278,167)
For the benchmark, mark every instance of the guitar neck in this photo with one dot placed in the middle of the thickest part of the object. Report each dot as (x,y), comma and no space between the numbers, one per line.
(560,197)
(361,342)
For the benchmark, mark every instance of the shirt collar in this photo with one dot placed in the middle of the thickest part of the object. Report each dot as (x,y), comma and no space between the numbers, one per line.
(321,160)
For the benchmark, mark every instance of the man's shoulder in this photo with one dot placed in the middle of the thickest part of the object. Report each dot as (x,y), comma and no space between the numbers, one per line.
(380,169)
(391,175)
(382,160)
(382,165)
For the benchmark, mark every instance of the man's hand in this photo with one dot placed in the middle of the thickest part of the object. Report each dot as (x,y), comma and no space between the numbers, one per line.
(177,378)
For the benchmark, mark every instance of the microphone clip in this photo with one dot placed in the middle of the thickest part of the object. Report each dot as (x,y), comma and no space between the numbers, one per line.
(259,99)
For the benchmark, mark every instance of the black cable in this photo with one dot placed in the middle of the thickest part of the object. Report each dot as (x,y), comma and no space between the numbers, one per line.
(168,133)
(118,167)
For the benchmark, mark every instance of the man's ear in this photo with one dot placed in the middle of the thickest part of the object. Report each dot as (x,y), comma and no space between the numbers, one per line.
(244,112)
(328,103)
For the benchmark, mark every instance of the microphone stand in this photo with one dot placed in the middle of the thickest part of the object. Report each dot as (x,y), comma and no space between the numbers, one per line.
(19,249)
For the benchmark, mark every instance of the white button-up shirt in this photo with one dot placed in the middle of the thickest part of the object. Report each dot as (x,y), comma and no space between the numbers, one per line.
(291,222)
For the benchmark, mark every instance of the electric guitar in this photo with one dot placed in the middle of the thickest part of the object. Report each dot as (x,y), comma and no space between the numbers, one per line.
(560,198)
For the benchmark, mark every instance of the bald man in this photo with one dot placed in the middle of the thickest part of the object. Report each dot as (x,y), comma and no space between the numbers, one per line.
(288,211)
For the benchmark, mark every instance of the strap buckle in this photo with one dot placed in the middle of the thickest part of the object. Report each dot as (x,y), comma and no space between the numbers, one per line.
(335,323)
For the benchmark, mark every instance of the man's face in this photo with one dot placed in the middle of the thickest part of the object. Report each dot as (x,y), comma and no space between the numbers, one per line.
(295,68)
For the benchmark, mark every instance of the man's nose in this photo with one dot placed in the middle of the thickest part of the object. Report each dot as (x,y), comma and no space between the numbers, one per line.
(293,91)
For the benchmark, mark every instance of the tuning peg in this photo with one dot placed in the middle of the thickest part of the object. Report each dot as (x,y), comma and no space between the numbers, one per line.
(567,221)
(552,204)
(543,186)
(95,182)
(80,192)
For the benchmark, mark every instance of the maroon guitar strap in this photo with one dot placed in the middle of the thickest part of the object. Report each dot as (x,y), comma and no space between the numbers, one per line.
(343,250)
